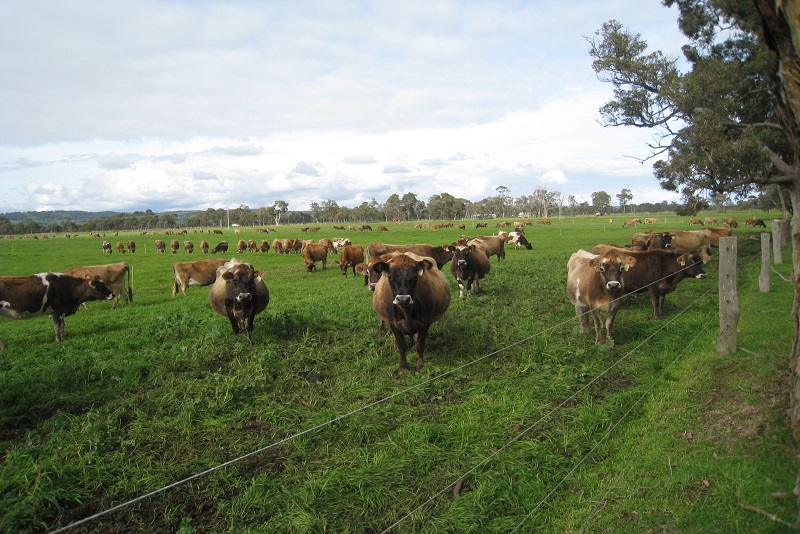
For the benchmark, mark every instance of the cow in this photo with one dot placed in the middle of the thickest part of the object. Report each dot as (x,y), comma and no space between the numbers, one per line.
(410,295)
(690,241)
(131,247)
(491,244)
(113,275)
(440,254)
(161,247)
(652,240)
(54,294)
(217,232)
(239,293)
(649,220)
(204,246)
(106,247)
(629,222)
(314,252)
(174,245)
(195,273)
(382,229)
(241,246)
(328,245)
(188,246)
(695,221)
(710,220)
(758,222)
(658,272)
(731,222)
(481,225)
(594,283)
(350,256)
(364,227)
(469,265)
(120,247)
(340,242)
(715,233)
(264,247)
(519,240)
(222,246)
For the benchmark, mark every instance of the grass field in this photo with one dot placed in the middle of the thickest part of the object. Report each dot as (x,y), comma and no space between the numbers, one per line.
(516,421)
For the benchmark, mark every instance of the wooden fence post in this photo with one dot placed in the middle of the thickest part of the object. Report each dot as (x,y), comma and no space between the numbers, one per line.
(763,278)
(777,230)
(728,296)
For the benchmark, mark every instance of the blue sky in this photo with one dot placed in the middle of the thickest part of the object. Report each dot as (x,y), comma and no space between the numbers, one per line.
(125,106)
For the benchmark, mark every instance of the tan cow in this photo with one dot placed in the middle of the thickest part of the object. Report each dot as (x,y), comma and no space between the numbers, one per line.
(715,233)
(113,275)
(314,252)
(241,246)
(350,256)
(174,245)
(161,247)
(695,221)
(188,246)
(690,241)
(120,247)
(204,246)
(195,273)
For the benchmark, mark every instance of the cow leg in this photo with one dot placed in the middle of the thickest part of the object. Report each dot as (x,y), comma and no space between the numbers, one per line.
(400,342)
(610,324)
(58,325)
(234,323)
(580,313)
(460,288)
(420,345)
(658,299)
(598,326)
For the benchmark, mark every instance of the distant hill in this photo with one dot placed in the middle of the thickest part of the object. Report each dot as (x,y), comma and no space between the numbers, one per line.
(45,218)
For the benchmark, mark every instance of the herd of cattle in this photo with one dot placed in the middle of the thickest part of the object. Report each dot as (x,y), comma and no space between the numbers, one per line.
(410,291)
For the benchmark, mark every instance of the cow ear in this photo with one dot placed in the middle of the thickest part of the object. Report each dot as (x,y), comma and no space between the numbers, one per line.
(594,264)
(450,248)
(380,267)
(261,274)
(227,276)
(682,260)
(424,265)
(630,262)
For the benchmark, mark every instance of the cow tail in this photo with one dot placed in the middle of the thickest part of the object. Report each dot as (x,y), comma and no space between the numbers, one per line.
(130,279)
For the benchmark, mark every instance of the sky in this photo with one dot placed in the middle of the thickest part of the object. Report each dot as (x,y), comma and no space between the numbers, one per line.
(188,105)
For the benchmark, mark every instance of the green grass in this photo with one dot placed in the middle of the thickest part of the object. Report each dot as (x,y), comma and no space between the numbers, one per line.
(655,433)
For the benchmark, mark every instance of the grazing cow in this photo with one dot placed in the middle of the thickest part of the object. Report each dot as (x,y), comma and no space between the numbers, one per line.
(491,244)
(188,246)
(252,246)
(519,240)
(470,264)
(440,254)
(131,247)
(241,246)
(195,273)
(340,242)
(106,247)
(364,227)
(174,245)
(204,246)
(55,294)
(217,232)
(382,229)
(239,293)
(594,282)
(410,295)
(695,221)
(715,233)
(328,245)
(690,241)
(710,220)
(731,222)
(351,255)
(279,246)
(264,246)
(758,222)
(161,247)
(481,225)
(629,222)
(113,275)
(649,220)
(314,252)
(658,272)
(120,247)
(222,246)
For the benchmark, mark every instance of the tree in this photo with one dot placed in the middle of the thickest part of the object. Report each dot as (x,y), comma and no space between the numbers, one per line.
(601,201)
(624,197)
(502,200)
(280,207)
(731,123)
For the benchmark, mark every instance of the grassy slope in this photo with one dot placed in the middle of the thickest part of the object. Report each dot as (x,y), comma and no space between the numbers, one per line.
(148,394)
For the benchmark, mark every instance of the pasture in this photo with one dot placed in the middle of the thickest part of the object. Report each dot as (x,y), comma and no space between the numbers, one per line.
(516,419)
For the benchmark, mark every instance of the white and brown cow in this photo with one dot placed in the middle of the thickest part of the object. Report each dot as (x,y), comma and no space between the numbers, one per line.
(518,239)
(469,265)
(55,294)
(113,275)
(350,256)
(410,295)
(239,293)
(107,249)
(314,252)
(594,283)
(195,273)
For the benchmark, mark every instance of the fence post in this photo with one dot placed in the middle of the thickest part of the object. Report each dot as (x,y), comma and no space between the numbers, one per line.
(777,230)
(728,296)
(763,278)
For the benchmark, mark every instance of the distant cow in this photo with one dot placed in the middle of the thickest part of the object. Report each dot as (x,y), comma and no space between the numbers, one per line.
(131,247)
(518,239)
(731,222)
(120,247)
(715,233)
(469,265)
(758,222)
(340,242)
(106,247)
(649,220)
(239,293)
(481,225)
(350,256)
(629,222)
(440,254)
(264,246)
(195,273)
(161,247)
(492,245)
(222,246)
(204,246)
(382,229)
(409,296)
(695,221)
(113,275)
(55,294)
(314,252)
(710,220)
(241,246)
(594,283)
(188,246)
(174,245)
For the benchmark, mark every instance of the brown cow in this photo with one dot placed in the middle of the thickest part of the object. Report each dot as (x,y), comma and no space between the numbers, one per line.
(264,246)
(658,272)
(695,221)
(174,245)
(113,275)
(204,246)
(715,233)
(481,225)
(195,273)
(351,255)
(120,247)
(382,229)
(409,296)
(239,293)
(161,247)
(732,223)
(649,220)
(594,283)
(470,264)
(241,246)
(314,252)
(131,247)
(188,246)
(690,241)
(55,294)
(440,254)
(491,244)
(630,222)
(328,244)
(758,222)
(652,240)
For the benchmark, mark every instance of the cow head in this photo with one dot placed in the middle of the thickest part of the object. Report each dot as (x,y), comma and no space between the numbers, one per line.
(693,264)
(240,282)
(461,253)
(666,239)
(403,273)
(611,266)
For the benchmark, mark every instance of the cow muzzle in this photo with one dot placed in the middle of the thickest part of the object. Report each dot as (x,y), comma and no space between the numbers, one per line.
(243,298)
(613,285)
(403,300)
(701,276)
(462,262)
